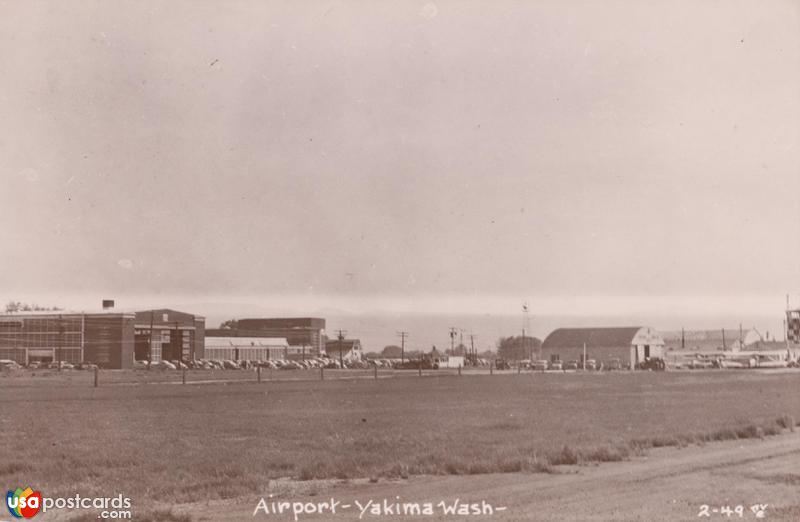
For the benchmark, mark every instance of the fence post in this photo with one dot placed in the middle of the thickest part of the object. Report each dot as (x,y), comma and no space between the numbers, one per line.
(258,371)
(321,373)
(491,368)
(376,372)
(183,375)
(420,369)
(96,370)
(519,368)
(459,370)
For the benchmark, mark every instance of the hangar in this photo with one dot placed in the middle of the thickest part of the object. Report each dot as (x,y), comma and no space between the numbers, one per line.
(631,345)
(102,337)
(110,338)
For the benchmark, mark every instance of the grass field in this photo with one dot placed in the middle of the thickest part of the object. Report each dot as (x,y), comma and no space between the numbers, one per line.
(176,444)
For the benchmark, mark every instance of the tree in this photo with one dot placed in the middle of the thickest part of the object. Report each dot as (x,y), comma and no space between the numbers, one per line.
(230,324)
(459,349)
(515,348)
(391,352)
(16,306)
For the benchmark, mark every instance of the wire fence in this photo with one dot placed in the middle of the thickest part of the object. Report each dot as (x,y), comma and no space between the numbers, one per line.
(96,377)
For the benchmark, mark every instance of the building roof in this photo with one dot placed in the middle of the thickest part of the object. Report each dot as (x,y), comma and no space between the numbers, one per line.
(596,337)
(261,323)
(56,313)
(257,342)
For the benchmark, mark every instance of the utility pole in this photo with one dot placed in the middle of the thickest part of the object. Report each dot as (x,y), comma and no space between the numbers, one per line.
(304,350)
(60,340)
(341,338)
(452,339)
(177,344)
(403,336)
(473,356)
(150,351)
(741,340)
(683,339)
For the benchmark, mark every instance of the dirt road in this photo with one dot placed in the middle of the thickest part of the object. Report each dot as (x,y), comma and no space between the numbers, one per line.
(667,484)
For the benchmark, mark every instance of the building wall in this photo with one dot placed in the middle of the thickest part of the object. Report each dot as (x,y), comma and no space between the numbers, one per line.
(175,335)
(109,340)
(298,331)
(199,338)
(575,353)
(128,342)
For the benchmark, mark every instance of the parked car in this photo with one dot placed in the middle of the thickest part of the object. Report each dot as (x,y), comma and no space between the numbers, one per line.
(502,364)
(540,365)
(614,363)
(8,364)
(571,365)
(63,364)
(555,365)
(140,365)
(162,365)
(653,364)
(180,365)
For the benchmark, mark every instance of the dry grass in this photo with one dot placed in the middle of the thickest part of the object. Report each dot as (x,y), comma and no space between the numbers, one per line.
(166,443)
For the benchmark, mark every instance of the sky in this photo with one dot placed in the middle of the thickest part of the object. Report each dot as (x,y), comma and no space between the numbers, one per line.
(447,157)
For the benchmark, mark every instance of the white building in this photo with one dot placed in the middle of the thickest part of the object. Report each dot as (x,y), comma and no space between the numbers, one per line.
(246,348)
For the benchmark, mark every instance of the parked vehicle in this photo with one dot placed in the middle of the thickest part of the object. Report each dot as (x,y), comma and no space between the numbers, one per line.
(571,365)
(555,365)
(502,364)
(614,363)
(540,365)
(63,364)
(653,364)
(162,365)
(140,365)
(8,364)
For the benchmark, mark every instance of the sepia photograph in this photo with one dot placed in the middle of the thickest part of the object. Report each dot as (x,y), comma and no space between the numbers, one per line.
(418,260)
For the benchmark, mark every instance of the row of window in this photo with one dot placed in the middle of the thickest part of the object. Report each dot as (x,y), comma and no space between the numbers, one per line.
(44,324)
(70,355)
(39,340)
(244,354)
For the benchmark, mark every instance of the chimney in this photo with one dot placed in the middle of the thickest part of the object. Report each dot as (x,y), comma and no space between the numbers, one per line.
(108,303)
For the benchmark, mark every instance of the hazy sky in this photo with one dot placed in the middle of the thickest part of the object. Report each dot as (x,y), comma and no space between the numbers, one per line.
(344,151)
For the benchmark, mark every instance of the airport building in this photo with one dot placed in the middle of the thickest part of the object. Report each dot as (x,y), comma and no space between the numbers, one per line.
(246,348)
(105,337)
(169,335)
(305,335)
(629,345)
(110,338)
